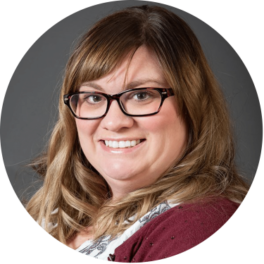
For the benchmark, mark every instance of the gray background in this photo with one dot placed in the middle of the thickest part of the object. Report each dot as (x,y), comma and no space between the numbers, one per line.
(30,106)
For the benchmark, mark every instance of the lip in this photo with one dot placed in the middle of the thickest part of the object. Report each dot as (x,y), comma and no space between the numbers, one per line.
(120,150)
(120,139)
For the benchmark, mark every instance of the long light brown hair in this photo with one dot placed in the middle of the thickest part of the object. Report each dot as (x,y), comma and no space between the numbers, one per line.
(74,195)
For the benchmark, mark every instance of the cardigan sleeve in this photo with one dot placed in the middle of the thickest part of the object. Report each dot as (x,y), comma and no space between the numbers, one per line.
(175,231)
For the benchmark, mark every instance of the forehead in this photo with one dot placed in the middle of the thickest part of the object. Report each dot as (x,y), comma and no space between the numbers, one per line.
(142,69)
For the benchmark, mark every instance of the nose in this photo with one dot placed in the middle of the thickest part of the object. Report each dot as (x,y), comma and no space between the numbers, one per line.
(115,119)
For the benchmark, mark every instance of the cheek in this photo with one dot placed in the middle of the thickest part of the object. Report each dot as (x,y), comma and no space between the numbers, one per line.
(166,131)
(86,129)
(167,121)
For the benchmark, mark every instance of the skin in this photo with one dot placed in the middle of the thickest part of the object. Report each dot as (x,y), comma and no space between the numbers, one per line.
(165,133)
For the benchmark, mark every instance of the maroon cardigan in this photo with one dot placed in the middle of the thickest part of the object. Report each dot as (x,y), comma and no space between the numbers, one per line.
(175,231)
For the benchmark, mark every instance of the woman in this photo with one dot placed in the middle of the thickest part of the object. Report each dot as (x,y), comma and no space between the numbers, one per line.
(140,165)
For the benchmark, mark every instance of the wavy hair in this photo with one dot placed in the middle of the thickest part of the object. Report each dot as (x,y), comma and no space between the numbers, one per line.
(74,195)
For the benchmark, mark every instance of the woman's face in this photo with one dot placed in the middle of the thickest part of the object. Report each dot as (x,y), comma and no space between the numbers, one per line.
(163,135)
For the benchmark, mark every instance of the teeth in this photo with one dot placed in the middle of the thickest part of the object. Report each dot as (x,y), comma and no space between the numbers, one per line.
(121,144)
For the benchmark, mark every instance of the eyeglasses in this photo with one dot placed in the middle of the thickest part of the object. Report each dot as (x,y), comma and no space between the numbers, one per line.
(134,102)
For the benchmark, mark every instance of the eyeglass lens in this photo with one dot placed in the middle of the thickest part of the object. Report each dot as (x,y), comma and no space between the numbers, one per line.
(137,102)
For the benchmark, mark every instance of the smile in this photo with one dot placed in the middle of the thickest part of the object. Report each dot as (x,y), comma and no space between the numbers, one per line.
(122,144)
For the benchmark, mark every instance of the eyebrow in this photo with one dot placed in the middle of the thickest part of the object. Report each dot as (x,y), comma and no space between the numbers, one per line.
(93,85)
(128,86)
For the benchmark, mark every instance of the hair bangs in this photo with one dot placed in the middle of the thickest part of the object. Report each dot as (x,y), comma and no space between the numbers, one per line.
(103,48)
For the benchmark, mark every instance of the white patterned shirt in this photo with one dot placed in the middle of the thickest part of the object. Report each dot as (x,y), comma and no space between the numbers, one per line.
(104,246)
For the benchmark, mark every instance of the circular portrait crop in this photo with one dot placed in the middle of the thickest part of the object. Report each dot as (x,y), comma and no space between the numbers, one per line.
(131,131)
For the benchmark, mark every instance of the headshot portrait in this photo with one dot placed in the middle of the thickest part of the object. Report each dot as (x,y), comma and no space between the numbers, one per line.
(131,131)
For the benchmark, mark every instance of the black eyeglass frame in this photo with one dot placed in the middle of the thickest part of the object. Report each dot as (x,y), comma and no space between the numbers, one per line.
(164,93)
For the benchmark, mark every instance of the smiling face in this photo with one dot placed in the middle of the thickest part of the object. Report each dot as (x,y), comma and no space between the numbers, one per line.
(156,142)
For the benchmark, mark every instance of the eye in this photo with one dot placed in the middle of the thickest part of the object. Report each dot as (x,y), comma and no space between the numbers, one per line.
(94,99)
(141,95)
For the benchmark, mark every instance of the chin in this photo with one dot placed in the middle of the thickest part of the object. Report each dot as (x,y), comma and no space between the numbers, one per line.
(116,174)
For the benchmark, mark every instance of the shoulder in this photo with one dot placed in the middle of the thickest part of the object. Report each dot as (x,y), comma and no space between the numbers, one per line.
(176,230)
